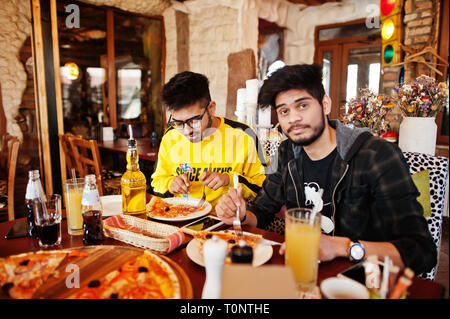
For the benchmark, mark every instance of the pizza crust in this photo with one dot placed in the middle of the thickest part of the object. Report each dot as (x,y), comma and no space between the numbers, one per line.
(21,275)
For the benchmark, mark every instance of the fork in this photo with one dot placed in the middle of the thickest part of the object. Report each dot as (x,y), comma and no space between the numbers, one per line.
(237,222)
(203,199)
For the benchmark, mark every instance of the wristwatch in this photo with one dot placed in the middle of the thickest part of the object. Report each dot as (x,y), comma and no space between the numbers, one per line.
(356,251)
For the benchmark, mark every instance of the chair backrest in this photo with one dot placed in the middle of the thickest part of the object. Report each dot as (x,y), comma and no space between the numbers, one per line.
(438,168)
(67,149)
(87,159)
(9,156)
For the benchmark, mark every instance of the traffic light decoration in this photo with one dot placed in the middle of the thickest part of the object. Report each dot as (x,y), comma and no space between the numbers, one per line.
(391,18)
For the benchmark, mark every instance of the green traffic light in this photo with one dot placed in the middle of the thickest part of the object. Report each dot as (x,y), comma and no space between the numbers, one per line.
(388,54)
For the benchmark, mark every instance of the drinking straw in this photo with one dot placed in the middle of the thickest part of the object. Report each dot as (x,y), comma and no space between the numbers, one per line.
(402,285)
(385,280)
(74,175)
(130,131)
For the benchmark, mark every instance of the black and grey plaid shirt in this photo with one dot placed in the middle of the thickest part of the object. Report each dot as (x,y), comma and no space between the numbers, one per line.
(373,195)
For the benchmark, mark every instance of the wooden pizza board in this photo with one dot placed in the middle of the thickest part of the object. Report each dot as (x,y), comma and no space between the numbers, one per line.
(101,261)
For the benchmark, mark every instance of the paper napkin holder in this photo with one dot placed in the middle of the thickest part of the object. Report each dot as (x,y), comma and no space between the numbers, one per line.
(107,133)
(264,282)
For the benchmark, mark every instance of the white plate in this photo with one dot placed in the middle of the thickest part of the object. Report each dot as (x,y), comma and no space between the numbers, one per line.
(112,205)
(180,201)
(261,253)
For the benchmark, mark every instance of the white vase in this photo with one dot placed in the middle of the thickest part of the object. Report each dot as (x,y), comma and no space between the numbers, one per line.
(418,134)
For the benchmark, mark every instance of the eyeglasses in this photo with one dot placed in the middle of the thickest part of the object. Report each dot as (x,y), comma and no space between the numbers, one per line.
(194,122)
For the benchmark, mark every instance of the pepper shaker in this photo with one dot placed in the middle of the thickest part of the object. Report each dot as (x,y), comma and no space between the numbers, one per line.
(242,253)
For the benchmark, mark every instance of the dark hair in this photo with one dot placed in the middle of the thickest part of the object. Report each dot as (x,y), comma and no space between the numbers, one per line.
(301,76)
(185,89)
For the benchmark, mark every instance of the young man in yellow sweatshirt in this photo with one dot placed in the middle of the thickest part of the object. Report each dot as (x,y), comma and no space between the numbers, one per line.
(201,148)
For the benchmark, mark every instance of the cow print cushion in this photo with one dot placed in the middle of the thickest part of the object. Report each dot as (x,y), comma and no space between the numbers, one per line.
(438,167)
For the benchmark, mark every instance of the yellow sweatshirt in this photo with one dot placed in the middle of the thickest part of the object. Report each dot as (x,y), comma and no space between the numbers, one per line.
(230,149)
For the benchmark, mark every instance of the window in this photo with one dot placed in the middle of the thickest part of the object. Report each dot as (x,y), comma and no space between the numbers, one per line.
(118,61)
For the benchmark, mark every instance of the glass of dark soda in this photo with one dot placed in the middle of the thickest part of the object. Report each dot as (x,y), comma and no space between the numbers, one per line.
(47,216)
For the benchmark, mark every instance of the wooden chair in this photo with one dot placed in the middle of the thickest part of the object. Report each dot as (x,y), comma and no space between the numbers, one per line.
(8,163)
(67,149)
(86,158)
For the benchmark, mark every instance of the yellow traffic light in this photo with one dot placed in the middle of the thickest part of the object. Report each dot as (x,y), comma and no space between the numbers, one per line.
(387,30)
(391,31)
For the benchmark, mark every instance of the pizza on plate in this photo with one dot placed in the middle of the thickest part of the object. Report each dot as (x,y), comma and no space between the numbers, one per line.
(21,275)
(230,237)
(158,207)
(145,277)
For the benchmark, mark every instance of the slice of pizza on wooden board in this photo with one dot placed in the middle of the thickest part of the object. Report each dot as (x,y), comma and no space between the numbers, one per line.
(145,277)
(21,275)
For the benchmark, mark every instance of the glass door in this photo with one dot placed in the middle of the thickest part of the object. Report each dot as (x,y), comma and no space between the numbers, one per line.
(350,56)
(361,68)
(329,57)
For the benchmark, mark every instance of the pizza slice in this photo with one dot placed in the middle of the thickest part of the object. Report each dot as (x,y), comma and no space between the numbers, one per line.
(145,277)
(230,237)
(158,207)
(21,275)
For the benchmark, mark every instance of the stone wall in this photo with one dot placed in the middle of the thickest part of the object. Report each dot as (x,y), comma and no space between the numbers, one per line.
(15,28)
(219,28)
(170,31)
(420,30)
(147,7)
(212,40)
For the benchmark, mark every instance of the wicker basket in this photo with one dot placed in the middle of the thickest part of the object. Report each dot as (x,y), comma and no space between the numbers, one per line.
(155,240)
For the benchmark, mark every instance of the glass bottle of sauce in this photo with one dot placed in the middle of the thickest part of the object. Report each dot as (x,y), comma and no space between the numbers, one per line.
(133,184)
(92,211)
(34,191)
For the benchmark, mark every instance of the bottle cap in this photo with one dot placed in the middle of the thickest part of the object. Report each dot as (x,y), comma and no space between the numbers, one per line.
(33,174)
(242,253)
(90,178)
(131,143)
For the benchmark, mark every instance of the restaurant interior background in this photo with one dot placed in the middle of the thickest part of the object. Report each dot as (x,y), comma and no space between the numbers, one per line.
(58,76)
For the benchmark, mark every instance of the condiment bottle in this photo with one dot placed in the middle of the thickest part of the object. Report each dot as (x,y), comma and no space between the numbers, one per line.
(241,253)
(92,211)
(34,191)
(133,183)
(214,253)
(154,139)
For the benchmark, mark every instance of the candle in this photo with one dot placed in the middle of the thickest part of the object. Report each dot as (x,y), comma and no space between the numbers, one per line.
(264,116)
(240,100)
(252,91)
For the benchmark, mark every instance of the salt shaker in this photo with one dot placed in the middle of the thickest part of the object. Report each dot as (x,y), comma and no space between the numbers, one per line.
(214,253)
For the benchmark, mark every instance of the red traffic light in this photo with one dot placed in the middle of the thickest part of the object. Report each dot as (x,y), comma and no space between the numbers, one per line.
(386,6)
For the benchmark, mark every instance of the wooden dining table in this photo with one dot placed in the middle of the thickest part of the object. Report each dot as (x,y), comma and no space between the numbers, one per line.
(120,146)
(420,289)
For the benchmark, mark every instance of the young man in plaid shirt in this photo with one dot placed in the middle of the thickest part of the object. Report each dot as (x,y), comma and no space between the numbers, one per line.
(367,192)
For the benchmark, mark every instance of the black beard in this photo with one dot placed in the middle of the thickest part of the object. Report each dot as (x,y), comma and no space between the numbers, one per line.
(313,138)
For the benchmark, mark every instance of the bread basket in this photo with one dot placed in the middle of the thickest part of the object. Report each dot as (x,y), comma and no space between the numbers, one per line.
(158,237)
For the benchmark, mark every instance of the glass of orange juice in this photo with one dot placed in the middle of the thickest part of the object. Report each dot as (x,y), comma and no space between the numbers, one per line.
(73,192)
(302,234)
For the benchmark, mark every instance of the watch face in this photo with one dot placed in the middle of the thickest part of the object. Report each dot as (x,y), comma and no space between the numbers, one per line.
(357,252)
